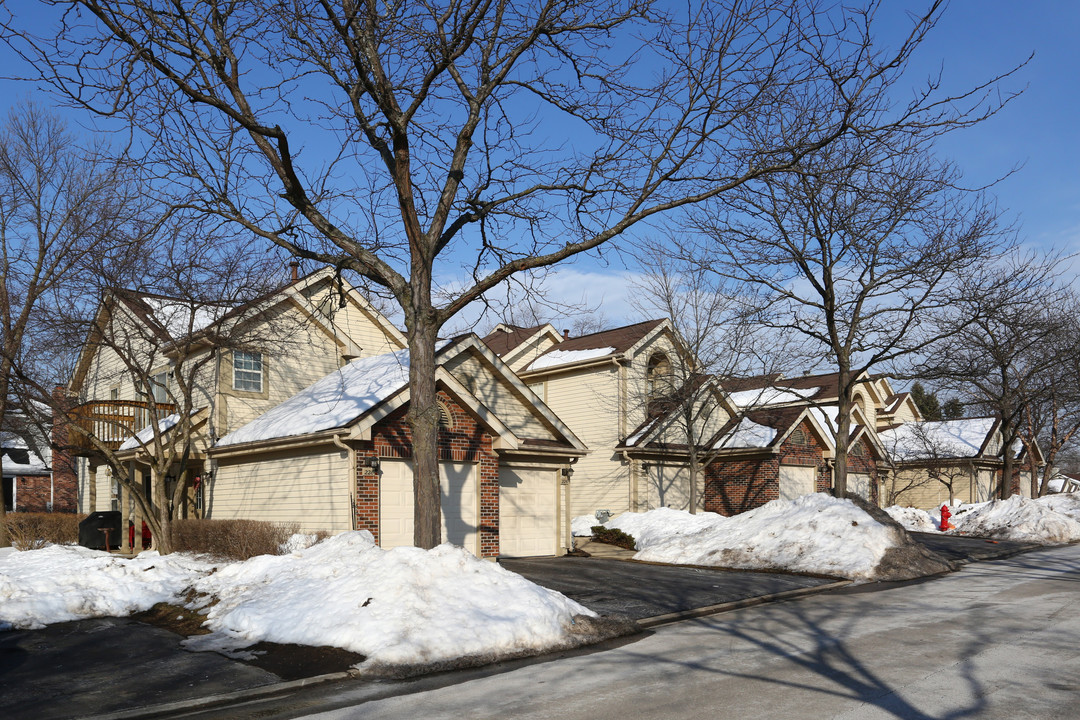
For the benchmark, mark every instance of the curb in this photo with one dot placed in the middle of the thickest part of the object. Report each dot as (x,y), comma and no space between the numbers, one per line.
(205,703)
(668,618)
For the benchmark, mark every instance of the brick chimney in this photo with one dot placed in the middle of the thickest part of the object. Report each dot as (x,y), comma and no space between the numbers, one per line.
(566,334)
(295,267)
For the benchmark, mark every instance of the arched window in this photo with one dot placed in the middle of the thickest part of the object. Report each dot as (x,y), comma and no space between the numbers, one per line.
(798,437)
(658,376)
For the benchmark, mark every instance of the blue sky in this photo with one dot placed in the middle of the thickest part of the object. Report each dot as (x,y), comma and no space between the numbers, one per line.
(976,39)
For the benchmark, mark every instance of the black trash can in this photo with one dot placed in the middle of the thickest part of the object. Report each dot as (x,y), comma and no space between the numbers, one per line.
(91,530)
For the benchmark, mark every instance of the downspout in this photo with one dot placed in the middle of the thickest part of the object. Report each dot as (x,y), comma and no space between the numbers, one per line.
(633,479)
(620,423)
(352,479)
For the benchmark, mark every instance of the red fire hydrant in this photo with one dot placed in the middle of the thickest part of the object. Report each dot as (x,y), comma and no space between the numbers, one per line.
(945,515)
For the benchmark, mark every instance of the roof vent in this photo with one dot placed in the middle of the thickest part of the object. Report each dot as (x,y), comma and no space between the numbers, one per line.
(566,334)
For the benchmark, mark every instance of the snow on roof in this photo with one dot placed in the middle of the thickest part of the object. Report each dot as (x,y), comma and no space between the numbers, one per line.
(765,396)
(33,466)
(334,401)
(565,357)
(748,434)
(945,438)
(145,435)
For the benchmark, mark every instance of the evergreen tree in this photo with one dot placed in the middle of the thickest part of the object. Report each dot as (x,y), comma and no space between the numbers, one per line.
(927,402)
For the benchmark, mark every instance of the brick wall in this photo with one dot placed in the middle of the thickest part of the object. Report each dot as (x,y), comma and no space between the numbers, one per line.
(466,442)
(32,494)
(735,486)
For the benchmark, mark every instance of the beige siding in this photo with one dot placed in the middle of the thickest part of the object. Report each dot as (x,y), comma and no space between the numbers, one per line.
(905,414)
(668,485)
(313,489)
(297,354)
(587,401)
(919,490)
(498,396)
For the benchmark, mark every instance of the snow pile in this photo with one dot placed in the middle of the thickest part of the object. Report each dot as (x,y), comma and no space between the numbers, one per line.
(67,582)
(1019,519)
(654,526)
(813,533)
(1064,503)
(403,606)
(914,519)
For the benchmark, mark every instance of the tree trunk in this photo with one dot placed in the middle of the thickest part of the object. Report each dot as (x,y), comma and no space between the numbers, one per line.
(843,431)
(5,373)
(423,419)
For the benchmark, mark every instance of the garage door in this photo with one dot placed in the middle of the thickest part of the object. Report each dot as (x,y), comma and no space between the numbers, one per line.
(459,504)
(527,512)
(797,480)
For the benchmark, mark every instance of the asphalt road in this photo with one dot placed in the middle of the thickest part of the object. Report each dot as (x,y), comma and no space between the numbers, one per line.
(999,639)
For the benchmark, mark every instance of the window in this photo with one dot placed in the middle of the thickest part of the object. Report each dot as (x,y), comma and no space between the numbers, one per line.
(798,437)
(160,387)
(658,375)
(247,371)
(858,450)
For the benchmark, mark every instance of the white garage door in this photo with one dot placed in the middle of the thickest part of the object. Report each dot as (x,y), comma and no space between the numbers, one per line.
(797,480)
(459,504)
(527,512)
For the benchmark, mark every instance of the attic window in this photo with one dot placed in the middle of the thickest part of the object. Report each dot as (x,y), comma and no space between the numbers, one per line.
(858,450)
(446,419)
(798,437)
(658,375)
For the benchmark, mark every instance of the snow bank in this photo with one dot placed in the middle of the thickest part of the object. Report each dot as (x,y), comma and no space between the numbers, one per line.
(653,526)
(67,582)
(403,606)
(1019,519)
(914,519)
(814,533)
(1064,503)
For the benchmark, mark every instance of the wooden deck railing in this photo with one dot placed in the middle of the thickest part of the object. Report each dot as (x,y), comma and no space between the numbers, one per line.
(112,422)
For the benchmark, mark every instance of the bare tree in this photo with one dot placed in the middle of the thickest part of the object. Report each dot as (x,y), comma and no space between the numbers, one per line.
(860,247)
(719,337)
(1001,346)
(62,205)
(404,140)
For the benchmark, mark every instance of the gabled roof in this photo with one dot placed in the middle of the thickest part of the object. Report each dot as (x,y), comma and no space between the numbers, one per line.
(505,338)
(172,319)
(595,346)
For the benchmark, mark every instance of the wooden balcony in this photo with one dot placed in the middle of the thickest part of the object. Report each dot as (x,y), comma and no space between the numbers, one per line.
(112,422)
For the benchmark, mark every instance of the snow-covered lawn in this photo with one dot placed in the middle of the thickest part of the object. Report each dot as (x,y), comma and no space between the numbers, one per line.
(403,606)
(1051,520)
(814,533)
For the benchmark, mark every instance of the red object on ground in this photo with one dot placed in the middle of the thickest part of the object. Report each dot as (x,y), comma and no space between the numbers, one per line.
(945,515)
(145,535)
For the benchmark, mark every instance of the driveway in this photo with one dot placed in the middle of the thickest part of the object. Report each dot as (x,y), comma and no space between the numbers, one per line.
(971,549)
(644,590)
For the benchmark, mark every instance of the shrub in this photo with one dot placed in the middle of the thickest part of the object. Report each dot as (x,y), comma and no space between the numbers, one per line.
(30,531)
(235,539)
(614,536)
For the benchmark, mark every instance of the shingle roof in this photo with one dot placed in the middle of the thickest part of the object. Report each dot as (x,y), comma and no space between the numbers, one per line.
(622,339)
(502,341)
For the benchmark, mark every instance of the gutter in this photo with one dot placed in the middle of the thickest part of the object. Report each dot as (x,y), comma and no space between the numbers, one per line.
(311,440)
